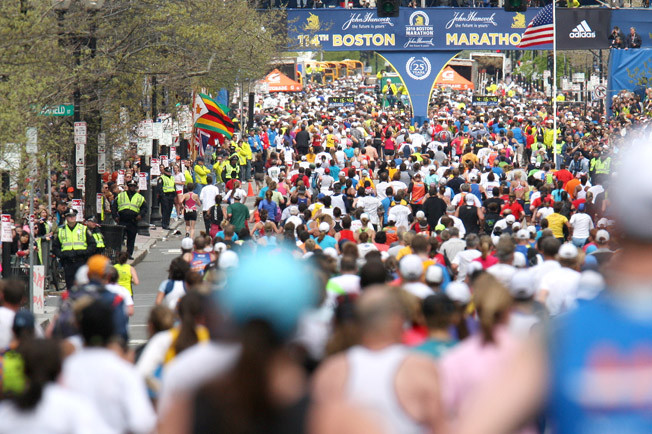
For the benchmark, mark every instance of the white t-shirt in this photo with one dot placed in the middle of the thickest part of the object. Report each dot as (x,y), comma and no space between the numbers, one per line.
(122,292)
(112,386)
(399,214)
(561,285)
(59,411)
(207,196)
(582,224)
(370,205)
(172,298)
(6,325)
(462,260)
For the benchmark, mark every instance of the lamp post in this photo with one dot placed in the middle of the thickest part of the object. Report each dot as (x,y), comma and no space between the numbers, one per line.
(92,115)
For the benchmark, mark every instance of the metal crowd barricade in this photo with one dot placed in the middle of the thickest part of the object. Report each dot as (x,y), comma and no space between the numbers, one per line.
(113,240)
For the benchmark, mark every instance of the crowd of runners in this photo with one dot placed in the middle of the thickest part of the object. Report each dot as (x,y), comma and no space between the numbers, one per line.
(359,273)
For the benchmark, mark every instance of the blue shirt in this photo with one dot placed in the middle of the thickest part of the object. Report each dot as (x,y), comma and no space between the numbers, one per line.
(349,152)
(600,359)
(220,234)
(327,242)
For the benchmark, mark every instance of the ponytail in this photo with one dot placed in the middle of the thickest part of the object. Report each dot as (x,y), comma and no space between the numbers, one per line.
(190,307)
(493,302)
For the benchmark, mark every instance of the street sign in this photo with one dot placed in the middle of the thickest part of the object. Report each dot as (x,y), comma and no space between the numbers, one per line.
(58,110)
(81,178)
(155,168)
(101,140)
(38,289)
(164,160)
(578,77)
(98,203)
(80,155)
(157,130)
(32,140)
(173,153)
(600,92)
(6,229)
(121,177)
(142,181)
(80,133)
(78,205)
(101,163)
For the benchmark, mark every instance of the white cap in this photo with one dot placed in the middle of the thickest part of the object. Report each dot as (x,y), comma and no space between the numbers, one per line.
(602,236)
(523,234)
(411,267)
(522,285)
(330,251)
(364,216)
(567,251)
(469,199)
(519,260)
(473,267)
(459,291)
(186,243)
(228,259)
(420,214)
(81,276)
(324,227)
(603,222)
(236,195)
(532,229)
(219,247)
(294,210)
(510,219)
(434,274)
(516,226)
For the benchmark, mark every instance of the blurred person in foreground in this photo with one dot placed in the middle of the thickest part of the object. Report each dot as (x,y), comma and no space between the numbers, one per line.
(590,373)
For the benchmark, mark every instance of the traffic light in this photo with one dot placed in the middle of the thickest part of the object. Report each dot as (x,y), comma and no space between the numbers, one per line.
(388,8)
(515,5)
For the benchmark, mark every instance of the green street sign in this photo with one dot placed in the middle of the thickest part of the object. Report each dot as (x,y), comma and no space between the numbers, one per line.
(58,110)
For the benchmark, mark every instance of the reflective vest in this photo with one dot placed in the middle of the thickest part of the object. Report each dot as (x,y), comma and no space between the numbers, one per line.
(309,70)
(602,167)
(99,240)
(73,239)
(132,204)
(168,184)
(124,276)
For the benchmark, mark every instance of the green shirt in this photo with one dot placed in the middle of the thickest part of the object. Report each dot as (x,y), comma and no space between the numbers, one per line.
(435,347)
(239,215)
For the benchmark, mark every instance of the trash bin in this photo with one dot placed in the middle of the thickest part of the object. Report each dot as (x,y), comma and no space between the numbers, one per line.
(113,240)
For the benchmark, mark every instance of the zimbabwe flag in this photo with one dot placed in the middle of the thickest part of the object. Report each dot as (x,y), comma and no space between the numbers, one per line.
(211,116)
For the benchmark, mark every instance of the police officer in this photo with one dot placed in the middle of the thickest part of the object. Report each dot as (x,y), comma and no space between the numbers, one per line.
(168,193)
(231,170)
(94,228)
(73,245)
(129,208)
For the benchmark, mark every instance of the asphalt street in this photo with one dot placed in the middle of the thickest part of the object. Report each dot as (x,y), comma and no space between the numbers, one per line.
(151,272)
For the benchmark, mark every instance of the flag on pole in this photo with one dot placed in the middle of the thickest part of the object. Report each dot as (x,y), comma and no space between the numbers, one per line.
(202,139)
(211,117)
(541,29)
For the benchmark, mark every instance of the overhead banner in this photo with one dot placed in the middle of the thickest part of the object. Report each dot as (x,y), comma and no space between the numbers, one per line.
(640,19)
(418,71)
(583,29)
(414,30)
(628,70)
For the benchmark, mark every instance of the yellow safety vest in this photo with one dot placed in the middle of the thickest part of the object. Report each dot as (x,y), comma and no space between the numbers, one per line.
(39,251)
(99,239)
(132,204)
(124,276)
(73,239)
(168,184)
(602,167)
(309,70)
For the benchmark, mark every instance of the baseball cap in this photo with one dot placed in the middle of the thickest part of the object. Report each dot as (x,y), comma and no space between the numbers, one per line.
(23,320)
(331,252)
(459,291)
(510,219)
(522,285)
(71,190)
(567,251)
(186,243)
(411,267)
(469,199)
(98,266)
(439,227)
(324,227)
(420,214)
(523,234)
(228,259)
(364,216)
(219,247)
(294,210)
(236,196)
(280,291)
(434,274)
(602,236)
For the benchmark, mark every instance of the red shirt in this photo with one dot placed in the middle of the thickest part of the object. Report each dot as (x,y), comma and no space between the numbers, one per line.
(517,209)
(564,175)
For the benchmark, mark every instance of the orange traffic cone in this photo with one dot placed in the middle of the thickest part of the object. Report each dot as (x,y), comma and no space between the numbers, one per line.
(250,192)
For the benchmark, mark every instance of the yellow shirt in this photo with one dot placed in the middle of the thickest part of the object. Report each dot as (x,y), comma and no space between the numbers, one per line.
(556,224)
(200,173)
(407,250)
(310,157)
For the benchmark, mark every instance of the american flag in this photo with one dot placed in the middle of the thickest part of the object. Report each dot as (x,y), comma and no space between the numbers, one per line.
(541,29)
(202,139)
